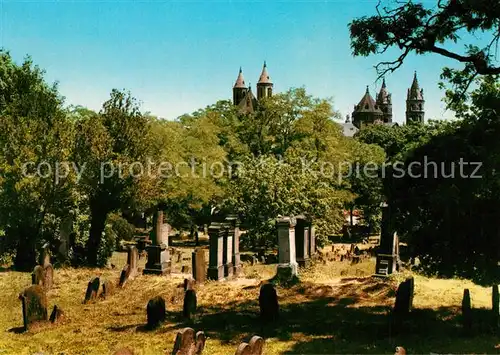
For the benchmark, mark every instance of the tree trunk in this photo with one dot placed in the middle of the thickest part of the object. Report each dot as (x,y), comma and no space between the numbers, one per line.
(25,259)
(97,224)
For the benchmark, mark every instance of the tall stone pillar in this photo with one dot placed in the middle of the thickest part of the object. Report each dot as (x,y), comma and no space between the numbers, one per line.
(234,230)
(158,257)
(312,240)
(287,267)
(215,264)
(227,254)
(386,256)
(302,242)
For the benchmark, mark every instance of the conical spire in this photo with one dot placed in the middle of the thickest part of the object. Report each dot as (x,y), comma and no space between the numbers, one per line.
(415,93)
(240,81)
(367,103)
(383,83)
(383,94)
(264,76)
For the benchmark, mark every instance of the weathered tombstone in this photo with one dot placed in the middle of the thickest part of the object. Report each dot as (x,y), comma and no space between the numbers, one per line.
(198,263)
(124,275)
(48,276)
(38,276)
(44,258)
(56,315)
(92,290)
(254,347)
(268,302)
(287,266)
(386,259)
(495,298)
(189,343)
(216,266)
(466,311)
(156,311)
(312,241)
(404,297)
(190,304)
(158,257)
(132,260)
(107,289)
(235,231)
(189,284)
(227,250)
(302,241)
(34,303)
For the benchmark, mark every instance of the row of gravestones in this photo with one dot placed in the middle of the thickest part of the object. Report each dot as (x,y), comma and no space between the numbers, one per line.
(404,304)
(97,289)
(34,299)
(189,342)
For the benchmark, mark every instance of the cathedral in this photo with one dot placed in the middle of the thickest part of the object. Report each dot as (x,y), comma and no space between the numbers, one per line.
(379,111)
(367,111)
(243,96)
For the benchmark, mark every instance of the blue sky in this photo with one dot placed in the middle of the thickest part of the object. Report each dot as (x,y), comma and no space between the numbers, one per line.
(178,56)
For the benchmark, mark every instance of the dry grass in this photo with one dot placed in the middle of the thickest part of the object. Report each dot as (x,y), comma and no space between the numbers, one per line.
(324,314)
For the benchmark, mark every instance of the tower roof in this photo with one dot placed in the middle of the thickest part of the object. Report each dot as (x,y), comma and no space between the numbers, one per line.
(264,76)
(240,81)
(367,104)
(415,92)
(383,95)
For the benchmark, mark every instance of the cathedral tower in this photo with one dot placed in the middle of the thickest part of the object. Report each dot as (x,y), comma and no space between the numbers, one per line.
(384,102)
(366,111)
(264,86)
(239,89)
(415,103)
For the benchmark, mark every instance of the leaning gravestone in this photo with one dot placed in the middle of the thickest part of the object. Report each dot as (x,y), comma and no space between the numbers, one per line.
(56,315)
(92,290)
(48,276)
(38,276)
(34,303)
(189,343)
(190,303)
(254,347)
(268,302)
(107,289)
(466,311)
(124,275)
(199,265)
(156,311)
(404,297)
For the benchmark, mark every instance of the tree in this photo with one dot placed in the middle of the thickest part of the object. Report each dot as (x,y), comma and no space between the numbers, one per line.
(112,149)
(413,28)
(35,140)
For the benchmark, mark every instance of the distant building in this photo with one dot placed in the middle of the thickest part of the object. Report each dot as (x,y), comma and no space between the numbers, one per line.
(243,96)
(379,111)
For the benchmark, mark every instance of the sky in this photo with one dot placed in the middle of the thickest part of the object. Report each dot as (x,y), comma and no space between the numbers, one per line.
(179,56)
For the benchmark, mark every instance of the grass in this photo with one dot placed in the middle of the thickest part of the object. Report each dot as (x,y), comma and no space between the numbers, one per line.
(333,310)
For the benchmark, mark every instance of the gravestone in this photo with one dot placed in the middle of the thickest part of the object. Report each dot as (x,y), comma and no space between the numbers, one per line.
(190,304)
(254,347)
(56,315)
(302,242)
(44,257)
(189,343)
(268,302)
(92,290)
(38,276)
(189,284)
(34,304)
(216,266)
(124,275)
(312,241)
(48,276)
(235,233)
(466,311)
(386,259)
(495,298)
(404,297)
(158,257)
(107,289)
(227,250)
(199,265)
(287,264)
(132,260)
(156,311)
